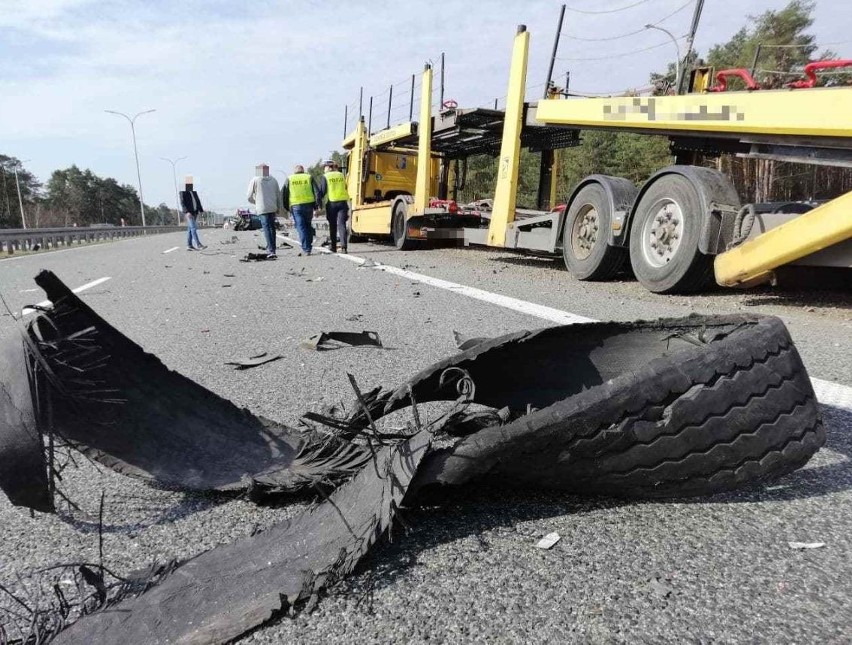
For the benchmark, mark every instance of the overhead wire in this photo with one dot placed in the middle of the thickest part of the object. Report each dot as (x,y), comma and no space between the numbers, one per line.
(619,55)
(629,33)
(605,11)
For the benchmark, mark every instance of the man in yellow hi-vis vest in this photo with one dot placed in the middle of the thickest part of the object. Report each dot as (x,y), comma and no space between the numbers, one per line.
(333,185)
(299,196)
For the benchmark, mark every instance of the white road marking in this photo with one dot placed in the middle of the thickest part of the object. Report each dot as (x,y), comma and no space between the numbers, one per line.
(507,302)
(46,303)
(174,248)
(828,392)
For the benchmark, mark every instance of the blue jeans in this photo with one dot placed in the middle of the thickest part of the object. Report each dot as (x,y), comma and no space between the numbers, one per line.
(192,231)
(337,214)
(267,221)
(302,216)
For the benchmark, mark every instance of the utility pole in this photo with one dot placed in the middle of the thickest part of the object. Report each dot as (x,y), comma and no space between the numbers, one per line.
(132,122)
(553,54)
(174,176)
(690,39)
(18,186)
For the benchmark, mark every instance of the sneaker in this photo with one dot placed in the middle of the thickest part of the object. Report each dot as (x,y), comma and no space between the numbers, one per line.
(190,248)
(344,251)
(271,256)
(202,247)
(307,252)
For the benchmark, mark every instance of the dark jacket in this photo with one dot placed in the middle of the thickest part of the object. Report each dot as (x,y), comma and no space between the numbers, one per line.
(190,202)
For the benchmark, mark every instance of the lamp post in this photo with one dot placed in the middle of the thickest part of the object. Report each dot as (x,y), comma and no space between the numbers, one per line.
(18,187)
(677,47)
(132,122)
(174,176)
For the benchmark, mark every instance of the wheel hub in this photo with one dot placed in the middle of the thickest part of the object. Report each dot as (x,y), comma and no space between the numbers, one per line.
(584,233)
(663,232)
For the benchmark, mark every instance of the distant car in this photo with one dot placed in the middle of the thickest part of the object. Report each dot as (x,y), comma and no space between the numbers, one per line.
(102,225)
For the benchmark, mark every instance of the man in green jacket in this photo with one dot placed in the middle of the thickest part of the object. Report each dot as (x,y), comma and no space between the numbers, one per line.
(299,196)
(333,185)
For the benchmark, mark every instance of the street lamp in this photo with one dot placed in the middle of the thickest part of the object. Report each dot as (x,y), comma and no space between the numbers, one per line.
(174,176)
(132,123)
(677,47)
(18,186)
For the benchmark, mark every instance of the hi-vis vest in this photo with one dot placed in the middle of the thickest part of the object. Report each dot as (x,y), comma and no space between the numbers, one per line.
(301,189)
(336,186)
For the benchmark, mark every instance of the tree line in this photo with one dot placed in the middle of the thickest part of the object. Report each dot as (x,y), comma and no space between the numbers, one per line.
(71,197)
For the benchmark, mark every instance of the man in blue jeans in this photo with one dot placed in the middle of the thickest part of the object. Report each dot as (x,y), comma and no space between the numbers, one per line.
(191,206)
(299,196)
(263,193)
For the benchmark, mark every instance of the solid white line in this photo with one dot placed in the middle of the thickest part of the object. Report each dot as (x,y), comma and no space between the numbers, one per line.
(828,392)
(174,248)
(507,302)
(46,303)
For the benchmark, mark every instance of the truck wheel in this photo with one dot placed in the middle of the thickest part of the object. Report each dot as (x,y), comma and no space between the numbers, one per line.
(585,248)
(664,236)
(399,229)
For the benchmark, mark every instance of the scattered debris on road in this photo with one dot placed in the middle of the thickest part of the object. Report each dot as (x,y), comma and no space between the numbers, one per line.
(665,408)
(548,541)
(806,545)
(254,361)
(328,340)
(256,257)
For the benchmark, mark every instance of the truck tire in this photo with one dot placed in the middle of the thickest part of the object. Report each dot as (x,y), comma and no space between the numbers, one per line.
(664,237)
(726,402)
(398,228)
(585,245)
(757,421)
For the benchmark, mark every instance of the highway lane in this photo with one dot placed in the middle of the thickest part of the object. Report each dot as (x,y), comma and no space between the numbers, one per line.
(718,569)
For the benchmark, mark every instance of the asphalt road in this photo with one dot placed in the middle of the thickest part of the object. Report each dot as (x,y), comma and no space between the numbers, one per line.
(711,570)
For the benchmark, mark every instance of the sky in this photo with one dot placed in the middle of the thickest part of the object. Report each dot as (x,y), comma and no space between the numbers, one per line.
(235,82)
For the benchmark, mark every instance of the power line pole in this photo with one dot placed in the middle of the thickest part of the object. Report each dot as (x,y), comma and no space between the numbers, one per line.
(174,176)
(18,186)
(690,39)
(132,123)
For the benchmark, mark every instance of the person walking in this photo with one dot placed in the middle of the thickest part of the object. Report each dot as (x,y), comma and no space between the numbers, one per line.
(264,193)
(191,206)
(333,185)
(299,196)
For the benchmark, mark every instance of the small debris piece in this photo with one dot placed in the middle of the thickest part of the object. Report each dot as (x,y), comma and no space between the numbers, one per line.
(368,264)
(548,541)
(416,294)
(355,318)
(806,545)
(254,361)
(234,239)
(466,342)
(327,340)
(317,279)
(226,285)
(229,275)
(256,257)
(660,587)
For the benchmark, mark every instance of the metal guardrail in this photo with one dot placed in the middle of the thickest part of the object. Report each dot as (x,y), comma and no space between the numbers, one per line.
(29,239)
